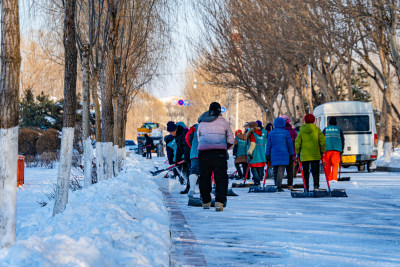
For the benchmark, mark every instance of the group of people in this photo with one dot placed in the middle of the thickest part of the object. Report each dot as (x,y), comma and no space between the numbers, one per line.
(201,152)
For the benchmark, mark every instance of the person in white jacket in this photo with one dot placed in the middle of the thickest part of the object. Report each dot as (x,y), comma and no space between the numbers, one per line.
(215,138)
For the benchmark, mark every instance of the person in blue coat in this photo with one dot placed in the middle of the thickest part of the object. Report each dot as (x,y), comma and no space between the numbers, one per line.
(279,150)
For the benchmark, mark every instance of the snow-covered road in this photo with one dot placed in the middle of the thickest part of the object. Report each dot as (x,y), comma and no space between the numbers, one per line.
(276,229)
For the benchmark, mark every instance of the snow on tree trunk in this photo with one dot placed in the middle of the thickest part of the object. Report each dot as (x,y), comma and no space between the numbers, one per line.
(88,156)
(87,146)
(10,65)
(71,56)
(8,185)
(64,170)
(380,148)
(116,160)
(107,152)
(388,151)
(99,161)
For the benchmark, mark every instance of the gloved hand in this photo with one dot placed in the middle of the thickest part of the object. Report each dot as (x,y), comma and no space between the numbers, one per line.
(250,155)
(298,156)
(268,158)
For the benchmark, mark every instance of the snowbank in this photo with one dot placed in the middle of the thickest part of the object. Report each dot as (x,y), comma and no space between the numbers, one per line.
(394,162)
(117,222)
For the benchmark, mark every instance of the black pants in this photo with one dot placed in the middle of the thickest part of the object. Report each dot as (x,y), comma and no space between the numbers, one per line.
(289,172)
(213,161)
(258,174)
(315,172)
(241,173)
(148,152)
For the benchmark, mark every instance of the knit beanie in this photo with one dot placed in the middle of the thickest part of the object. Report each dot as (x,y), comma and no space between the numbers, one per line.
(309,118)
(215,109)
(286,118)
(332,121)
(259,123)
(171,126)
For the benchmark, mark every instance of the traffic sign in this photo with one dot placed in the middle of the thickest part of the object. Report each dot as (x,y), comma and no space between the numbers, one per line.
(186,104)
(180,102)
(174,102)
(223,110)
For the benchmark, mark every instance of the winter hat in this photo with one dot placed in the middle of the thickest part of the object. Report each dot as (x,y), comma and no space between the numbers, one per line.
(269,126)
(286,118)
(171,126)
(238,132)
(309,118)
(215,109)
(181,123)
(332,121)
(259,123)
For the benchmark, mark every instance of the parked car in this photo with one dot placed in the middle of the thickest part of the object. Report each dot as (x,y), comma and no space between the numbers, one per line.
(357,121)
(130,146)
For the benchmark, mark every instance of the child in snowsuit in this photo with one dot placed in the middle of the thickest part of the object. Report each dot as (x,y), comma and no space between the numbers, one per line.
(334,148)
(240,153)
(258,143)
(279,150)
(310,144)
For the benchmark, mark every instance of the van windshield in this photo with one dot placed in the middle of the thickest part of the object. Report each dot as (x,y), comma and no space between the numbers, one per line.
(353,124)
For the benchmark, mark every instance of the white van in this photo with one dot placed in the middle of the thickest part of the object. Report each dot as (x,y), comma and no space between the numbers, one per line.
(357,121)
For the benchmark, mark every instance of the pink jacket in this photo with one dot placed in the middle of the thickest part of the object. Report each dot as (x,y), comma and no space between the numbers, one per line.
(215,135)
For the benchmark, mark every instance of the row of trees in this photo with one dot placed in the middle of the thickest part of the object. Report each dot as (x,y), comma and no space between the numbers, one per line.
(289,56)
(120,46)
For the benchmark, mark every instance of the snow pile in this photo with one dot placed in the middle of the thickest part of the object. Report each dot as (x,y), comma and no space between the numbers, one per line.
(394,162)
(117,222)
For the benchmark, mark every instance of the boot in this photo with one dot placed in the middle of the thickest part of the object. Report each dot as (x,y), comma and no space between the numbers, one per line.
(185,191)
(219,206)
(192,180)
(206,205)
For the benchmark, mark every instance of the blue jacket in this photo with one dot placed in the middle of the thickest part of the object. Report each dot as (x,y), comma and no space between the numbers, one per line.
(279,145)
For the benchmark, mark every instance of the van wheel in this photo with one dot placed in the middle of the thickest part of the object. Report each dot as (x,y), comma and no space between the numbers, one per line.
(369,168)
(361,168)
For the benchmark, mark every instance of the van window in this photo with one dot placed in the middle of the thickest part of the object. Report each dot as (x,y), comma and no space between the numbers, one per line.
(318,122)
(353,124)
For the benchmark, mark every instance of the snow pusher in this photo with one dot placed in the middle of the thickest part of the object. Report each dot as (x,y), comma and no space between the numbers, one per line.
(154,173)
(334,192)
(264,189)
(245,178)
(196,202)
(307,193)
(342,179)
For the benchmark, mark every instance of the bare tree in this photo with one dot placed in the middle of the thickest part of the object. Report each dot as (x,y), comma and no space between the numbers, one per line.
(70,76)
(10,64)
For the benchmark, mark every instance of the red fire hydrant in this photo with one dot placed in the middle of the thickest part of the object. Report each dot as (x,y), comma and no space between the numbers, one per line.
(21,170)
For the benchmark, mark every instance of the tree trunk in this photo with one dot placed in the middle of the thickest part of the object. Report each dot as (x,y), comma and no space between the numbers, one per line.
(10,64)
(95,81)
(87,144)
(71,56)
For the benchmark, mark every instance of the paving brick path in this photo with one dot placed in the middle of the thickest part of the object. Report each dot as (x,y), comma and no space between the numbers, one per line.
(186,250)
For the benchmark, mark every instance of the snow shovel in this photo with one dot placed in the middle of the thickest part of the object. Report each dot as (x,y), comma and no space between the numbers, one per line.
(302,194)
(230,191)
(263,189)
(245,178)
(342,179)
(154,173)
(334,192)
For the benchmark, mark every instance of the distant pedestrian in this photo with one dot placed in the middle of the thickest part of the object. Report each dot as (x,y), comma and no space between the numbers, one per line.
(269,127)
(215,138)
(290,167)
(334,148)
(149,144)
(279,150)
(310,144)
(256,152)
(182,152)
(193,142)
(240,153)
